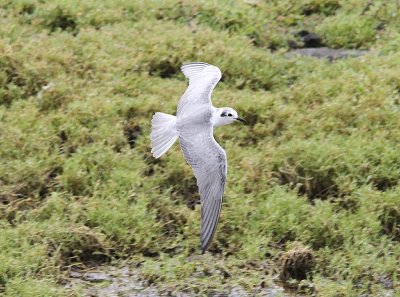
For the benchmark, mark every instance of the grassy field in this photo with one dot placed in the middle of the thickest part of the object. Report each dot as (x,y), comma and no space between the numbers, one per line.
(315,170)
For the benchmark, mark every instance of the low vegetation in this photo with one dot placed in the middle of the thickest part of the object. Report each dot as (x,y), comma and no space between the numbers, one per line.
(313,176)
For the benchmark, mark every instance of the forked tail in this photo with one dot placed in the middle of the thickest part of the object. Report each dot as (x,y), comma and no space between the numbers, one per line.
(163,133)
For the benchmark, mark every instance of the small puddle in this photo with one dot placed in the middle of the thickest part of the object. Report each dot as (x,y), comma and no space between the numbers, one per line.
(110,281)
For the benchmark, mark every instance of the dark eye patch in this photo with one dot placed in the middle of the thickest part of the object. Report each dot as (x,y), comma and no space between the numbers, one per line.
(223,114)
(229,114)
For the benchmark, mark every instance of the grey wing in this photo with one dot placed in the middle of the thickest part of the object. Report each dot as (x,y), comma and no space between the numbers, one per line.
(208,161)
(203,78)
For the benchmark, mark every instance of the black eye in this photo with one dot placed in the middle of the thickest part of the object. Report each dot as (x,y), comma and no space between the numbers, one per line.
(229,114)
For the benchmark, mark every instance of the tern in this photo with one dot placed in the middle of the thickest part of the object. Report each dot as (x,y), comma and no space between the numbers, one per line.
(193,125)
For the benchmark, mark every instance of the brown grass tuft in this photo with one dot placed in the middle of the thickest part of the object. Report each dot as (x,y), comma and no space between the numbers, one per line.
(297,263)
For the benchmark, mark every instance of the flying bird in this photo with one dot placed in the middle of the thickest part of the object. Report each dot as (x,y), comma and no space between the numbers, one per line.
(193,125)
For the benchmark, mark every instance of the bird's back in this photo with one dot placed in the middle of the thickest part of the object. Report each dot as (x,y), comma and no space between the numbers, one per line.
(195,118)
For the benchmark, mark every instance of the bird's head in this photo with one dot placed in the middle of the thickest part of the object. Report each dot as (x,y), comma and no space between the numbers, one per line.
(226,116)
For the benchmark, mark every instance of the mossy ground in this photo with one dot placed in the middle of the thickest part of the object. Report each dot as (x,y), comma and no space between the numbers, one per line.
(317,165)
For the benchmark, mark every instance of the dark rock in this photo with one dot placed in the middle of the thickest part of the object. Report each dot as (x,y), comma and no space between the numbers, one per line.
(309,39)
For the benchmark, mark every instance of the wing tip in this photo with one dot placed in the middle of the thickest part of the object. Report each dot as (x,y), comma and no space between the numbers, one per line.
(204,246)
(192,69)
(209,228)
(205,243)
(195,63)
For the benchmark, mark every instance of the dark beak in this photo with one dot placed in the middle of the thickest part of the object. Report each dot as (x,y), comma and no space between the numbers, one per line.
(241,120)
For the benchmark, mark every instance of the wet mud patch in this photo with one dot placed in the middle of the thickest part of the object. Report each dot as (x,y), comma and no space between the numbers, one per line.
(108,282)
(112,281)
(330,54)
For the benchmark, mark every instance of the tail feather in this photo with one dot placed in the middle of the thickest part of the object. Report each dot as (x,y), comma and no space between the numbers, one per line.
(163,133)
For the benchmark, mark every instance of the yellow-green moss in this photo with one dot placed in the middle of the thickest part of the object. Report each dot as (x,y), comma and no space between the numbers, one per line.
(318,163)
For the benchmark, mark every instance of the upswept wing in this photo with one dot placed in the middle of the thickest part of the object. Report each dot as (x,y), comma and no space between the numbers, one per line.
(203,78)
(208,161)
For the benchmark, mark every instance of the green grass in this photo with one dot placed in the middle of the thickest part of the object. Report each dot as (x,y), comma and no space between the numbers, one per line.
(318,164)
